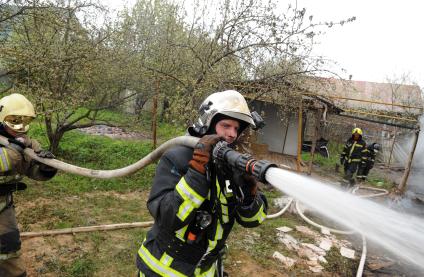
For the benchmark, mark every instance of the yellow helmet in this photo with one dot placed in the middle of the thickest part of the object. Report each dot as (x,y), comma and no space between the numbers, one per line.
(357,130)
(16,112)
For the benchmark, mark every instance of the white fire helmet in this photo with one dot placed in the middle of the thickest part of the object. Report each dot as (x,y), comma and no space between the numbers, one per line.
(228,103)
(16,112)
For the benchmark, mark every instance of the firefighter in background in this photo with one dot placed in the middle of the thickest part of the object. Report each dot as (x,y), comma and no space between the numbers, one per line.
(195,202)
(351,156)
(16,113)
(368,160)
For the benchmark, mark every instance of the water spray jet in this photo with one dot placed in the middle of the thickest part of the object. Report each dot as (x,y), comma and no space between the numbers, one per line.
(401,234)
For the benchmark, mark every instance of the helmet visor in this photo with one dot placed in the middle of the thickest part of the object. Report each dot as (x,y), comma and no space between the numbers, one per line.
(18,123)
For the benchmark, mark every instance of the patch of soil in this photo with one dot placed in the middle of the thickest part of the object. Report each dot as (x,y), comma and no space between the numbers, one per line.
(114,132)
(55,255)
(44,254)
(242,265)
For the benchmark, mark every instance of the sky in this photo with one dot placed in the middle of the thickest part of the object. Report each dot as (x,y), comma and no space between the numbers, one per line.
(385,42)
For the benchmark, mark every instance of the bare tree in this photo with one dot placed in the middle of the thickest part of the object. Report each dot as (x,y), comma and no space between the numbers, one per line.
(202,49)
(64,62)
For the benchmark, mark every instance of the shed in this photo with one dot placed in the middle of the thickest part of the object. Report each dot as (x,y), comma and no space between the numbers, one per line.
(282,106)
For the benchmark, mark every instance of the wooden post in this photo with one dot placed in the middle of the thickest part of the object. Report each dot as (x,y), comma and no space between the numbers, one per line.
(402,185)
(107,227)
(392,148)
(155,113)
(314,139)
(299,136)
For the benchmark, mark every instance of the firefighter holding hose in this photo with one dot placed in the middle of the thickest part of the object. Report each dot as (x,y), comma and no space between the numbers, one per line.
(16,113)
(195,199)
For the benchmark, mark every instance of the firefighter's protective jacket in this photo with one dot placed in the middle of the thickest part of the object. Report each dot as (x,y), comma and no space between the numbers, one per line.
(368,157)
(178,194)
(13,167)
(352,151)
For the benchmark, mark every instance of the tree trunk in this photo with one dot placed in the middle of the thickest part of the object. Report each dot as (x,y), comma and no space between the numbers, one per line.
(54,140)
(155,112)
(403,183)
(165,106)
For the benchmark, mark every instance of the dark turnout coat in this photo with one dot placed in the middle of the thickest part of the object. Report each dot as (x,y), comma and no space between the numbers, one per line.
(13,167)
(177,244)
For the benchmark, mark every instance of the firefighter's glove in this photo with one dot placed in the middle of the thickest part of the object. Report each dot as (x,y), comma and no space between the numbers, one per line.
(46,154)
(342,161)
(248,185)
(202,152)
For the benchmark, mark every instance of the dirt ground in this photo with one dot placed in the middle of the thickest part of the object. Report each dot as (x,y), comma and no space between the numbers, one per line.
(112,253)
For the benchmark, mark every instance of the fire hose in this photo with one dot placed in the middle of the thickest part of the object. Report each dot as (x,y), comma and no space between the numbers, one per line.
(361,265)
(243,162)
(113,173)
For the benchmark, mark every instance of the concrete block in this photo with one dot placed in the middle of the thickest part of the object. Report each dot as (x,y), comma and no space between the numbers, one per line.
(325,244)
(286,261)
(284,229)
(346,252)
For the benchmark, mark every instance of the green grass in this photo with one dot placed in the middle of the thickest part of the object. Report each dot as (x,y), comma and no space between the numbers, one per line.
(98,152)
(82,267)
(325,163)
(327,166)
(70,201)
(377,180)
(338,264)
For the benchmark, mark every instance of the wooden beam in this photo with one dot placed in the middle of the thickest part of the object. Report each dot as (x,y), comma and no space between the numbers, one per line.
(402,185)
(107,227)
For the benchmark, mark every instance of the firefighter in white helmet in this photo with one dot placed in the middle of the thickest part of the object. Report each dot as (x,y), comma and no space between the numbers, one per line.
(16,113)
(195,202)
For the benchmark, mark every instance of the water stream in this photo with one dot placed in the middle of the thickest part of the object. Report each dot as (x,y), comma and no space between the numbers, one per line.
(400,233)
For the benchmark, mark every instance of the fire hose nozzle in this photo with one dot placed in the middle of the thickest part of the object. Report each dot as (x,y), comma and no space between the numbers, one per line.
(243,162)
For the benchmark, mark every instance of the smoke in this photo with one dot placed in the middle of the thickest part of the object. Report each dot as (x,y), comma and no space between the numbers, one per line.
(416,178)
(397,232)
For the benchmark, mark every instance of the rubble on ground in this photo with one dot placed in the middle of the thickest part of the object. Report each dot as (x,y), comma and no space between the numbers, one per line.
(311,254)
(286,261)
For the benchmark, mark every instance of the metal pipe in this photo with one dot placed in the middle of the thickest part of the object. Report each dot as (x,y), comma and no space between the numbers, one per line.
(380,122)
(113,173)
(382,115)
(366,101)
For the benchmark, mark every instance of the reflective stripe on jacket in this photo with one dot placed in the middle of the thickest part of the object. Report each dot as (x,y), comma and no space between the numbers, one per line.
(352,151)
(178,192)
(368,157)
